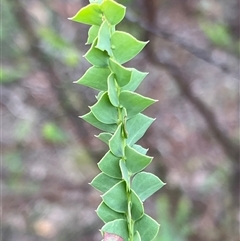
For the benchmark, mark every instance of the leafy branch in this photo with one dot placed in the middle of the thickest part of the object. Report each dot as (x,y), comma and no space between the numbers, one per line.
(123,183)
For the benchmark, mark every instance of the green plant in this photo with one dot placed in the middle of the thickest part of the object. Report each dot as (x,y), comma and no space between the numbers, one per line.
(117,112)
(53,133)
(176,224)
(218,34)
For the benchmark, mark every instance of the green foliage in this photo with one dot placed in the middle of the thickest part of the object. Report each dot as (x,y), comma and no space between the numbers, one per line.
(9,75)
(15,180)
(176,226)
(218,34)
(117,112)
(58,48)
(52,133)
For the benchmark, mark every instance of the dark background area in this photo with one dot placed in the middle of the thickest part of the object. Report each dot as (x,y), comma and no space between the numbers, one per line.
(49,155)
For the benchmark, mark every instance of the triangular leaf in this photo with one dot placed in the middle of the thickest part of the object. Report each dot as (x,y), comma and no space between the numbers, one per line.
(103,183)
(92,34)
(109,164)
(137,237)
(97,57)
(107,214)
(112,90)
(125,46)
(96,1)
(135,161)
(91,14)
(151,231)
(145,184)
(104,111)
(115,142)
(140,149)
(136,79)
(122,74)
(117,227)
(95,77)
(91,119)
(137,126)
(105,137)
(116,198)
(137,207)
(134,103)
(113,11)
(124,172)
(104,42)
(98,96)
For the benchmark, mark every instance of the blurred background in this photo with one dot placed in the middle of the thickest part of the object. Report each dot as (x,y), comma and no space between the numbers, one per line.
(49,155)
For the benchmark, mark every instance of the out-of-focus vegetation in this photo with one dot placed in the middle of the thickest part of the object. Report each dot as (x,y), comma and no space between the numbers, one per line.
(176,226)
(49,154)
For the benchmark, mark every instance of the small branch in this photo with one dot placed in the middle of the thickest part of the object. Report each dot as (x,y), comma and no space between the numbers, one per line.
(46,65)
(202,54)
(230,148)
(180,78)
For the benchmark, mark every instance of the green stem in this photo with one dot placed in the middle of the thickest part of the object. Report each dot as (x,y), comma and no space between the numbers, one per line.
(122,120)
(129,218)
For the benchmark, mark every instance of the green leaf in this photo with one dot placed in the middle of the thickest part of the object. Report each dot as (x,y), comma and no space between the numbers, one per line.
(53,133)
(113,12)
(105,137)
(91,14)
(124,172)
(123,75)
(118,227)
(125,46)
(112,90)
(99,95)
(116,198)
(147,227)
(109,164)
(115,142)
(95,77)
(134,103)
(104,111)
(137,207)
(140,149)
(107,214)
(145,184)
(137,126)
(135,161)
(137,237)
(96,1)
(136,79)
(103,183)
(104,42)
(91,119)
(92,34)
(97,57)
(124,129)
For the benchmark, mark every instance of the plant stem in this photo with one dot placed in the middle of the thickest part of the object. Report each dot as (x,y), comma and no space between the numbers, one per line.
(122,120)
(129,218)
